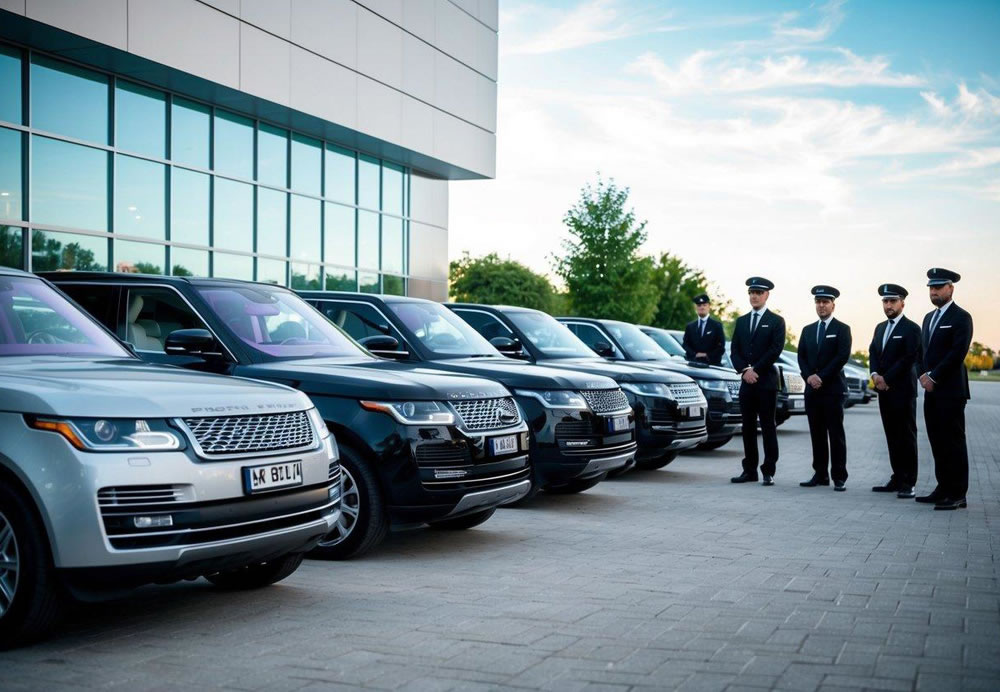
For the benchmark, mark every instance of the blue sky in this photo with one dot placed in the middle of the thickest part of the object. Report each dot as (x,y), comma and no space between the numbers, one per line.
(850,143)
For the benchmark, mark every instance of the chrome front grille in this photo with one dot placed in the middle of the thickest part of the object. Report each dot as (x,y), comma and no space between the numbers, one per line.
(734,388)
(251,434)
(686,394)
(794,383)
(131,495)
(605,400)
(488,414)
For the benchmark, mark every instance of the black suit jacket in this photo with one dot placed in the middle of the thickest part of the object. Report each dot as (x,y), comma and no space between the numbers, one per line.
(826,358)
(945,350)
(713,342)
(897,362)
(760,350)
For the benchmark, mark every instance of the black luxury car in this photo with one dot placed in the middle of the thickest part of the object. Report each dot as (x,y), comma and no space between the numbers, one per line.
(623,342)
(669,407)
(417,445)
(581,424)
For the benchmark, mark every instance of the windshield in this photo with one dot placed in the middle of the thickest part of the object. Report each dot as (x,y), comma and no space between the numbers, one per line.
(35,320)
(635,343)
(277,322)
(666,342)
(441,331)
(551,337)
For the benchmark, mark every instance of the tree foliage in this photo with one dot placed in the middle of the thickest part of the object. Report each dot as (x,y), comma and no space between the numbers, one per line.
(496,281)
(676,285)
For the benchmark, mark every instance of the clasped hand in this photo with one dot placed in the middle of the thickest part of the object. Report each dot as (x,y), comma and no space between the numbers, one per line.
(814,381)
(750,376)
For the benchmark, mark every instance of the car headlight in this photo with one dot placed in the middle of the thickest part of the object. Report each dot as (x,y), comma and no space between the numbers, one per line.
(318,423)
(413,412)
(714,385)
(555,398)
(112,434)
(648,389)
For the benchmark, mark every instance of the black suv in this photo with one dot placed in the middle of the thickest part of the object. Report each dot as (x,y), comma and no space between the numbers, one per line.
(581,425)
(669,407)
(623,342)
(416,446)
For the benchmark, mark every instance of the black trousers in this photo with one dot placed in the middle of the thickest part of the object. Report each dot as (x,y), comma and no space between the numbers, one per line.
(826,429)
(945,422)
(899,422)
(758,404)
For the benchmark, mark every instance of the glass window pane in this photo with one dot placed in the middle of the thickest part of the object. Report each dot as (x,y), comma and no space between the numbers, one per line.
(64,251)
(393,285)
(367,239)
(272,156)
(10,174)
(272,222)
(139,258)
(189,195)
(307,165)
(190,124)
(233,145)
(305,236)
(271,271)
(368,283)
(187,262)
(141,119)
(228,266)
(11,247)
(10,84)
(339,181)
(339,235)
(54,85)
(338,280)
(140,198)
(305,276)
(69,185)
(233,215)
(392,244)
(392,189)
(368,182)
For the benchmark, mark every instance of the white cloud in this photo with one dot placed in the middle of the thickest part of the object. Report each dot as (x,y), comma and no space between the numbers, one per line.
(936,103)
(830,18)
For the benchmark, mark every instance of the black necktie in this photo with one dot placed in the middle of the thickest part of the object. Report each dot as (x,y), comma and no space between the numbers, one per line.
(888,331)
(702,328)
(821,333)
(753,323)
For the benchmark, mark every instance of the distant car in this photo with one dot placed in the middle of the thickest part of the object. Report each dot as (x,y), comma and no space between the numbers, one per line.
(856,378)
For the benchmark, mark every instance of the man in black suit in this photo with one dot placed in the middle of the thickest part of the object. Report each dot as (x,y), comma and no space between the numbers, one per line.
(892,358)
(824,347)
(758,339)
(704,340)
(947,334)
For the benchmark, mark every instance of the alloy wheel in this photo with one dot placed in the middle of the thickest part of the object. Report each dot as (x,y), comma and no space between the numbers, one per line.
(350,507)
(9,564)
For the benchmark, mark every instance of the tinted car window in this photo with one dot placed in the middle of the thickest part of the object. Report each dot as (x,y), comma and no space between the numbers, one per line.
(590,335)
(100,301)
(637,345)
(666,342)
(549,336)
(153,313)
(358,320)
(440,330)
(485,323)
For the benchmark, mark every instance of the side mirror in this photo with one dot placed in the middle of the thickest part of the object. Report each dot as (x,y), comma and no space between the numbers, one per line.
(385,346)
(506,345)
(603,349)
(191,342)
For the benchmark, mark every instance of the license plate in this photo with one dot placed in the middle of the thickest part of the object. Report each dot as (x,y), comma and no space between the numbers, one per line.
(618,423)
(694,411)
(258,479)
(795,403)
(503,445)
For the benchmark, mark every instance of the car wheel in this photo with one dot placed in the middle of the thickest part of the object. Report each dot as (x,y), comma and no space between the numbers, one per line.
(657,463)
(30,599)
(257,576)
(363,522)
(463,522)
(714,444)
(576,486)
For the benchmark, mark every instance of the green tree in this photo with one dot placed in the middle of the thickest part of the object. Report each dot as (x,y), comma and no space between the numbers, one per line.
(496,281)
(601,267)
(861,357)
(676,284)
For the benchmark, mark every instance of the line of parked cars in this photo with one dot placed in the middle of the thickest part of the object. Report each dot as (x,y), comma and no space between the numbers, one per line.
(154,429)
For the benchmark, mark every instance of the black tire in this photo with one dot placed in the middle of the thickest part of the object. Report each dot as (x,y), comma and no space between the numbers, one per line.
(576,486)
(32,600)
(464,522)
(657,463)
(714,444)
(257,576)
(364,522)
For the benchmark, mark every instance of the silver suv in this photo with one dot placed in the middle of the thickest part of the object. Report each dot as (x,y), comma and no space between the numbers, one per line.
(115,473)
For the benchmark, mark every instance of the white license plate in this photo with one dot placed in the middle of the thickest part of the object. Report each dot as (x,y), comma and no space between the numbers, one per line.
(618,423)
(795,403)
(258,479)
(694,411)
(503,445)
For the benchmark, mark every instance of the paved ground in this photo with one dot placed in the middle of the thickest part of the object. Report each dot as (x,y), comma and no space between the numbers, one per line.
(669,579)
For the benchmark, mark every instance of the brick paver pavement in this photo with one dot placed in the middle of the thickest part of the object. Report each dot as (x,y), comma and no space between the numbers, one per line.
(667,579)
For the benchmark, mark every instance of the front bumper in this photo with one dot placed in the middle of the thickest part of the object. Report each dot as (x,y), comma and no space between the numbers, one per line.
(662,426)
(724,418)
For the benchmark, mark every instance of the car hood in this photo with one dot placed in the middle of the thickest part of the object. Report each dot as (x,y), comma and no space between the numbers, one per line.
(619,372)
(129,388)
(374,379)
(695,371)
(519,374)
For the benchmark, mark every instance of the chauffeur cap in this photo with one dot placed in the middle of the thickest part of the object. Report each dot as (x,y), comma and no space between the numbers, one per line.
(825,292)
(940,277)
(760,283)
(892,291)
(701,299)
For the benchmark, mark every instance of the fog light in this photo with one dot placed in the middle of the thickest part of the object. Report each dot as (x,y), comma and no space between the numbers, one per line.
(155,522)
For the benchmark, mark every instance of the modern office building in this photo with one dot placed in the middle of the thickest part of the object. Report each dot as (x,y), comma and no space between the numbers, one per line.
(304,142)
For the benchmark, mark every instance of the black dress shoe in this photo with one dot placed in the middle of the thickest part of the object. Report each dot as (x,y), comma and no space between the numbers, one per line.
(839,486)
(905,493)
(814,481)
(947,503)
(890,487)
(768,480)
(744,478)
(931,499)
